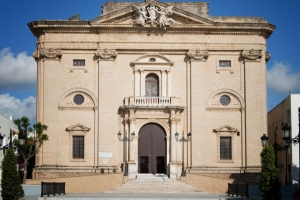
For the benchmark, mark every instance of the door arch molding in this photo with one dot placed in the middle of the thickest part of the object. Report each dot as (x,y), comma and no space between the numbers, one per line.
(163,123)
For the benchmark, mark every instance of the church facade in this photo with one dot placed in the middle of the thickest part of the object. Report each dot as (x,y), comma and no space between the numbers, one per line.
(151,87)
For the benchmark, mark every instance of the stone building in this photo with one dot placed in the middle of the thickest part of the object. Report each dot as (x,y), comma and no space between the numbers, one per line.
(286,112)
(152,69)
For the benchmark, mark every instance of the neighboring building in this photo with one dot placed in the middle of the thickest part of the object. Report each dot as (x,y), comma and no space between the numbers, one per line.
(6,125)
(122,72)
(286,112)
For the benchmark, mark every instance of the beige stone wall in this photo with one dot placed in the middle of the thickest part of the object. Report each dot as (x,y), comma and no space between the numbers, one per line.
(86,184)
(218,183)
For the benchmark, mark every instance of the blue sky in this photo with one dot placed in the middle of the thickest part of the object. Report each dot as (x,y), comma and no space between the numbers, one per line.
(18,68)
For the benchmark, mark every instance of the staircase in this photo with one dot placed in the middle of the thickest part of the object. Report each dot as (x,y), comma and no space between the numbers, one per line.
(154,184)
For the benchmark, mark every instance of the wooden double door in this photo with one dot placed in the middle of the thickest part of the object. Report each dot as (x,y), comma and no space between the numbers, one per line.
(152,149)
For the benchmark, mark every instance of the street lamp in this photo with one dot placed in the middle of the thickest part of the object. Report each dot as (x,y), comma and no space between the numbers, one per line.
(126,139)
(10,145)
(286,130)
(183,140)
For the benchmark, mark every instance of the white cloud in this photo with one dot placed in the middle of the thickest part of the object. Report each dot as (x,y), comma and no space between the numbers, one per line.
(16,72)
(281,80)
(10,106)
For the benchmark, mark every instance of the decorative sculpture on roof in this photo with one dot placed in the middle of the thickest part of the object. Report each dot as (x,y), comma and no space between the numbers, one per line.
(153,15)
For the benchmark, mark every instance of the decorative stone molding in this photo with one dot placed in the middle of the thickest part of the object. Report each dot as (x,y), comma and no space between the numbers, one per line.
(197,55)
(177,120)
(50,53)
(78,127)
(173,120)
(131,120)
(35,54)
(252,54)
(267,56)
(225,128)
(106,54)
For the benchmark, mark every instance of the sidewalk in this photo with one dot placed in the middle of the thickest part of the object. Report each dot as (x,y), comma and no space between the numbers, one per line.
(134,197)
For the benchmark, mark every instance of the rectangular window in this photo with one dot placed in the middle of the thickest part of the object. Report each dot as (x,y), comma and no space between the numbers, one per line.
(80,63)
(78,147)
(225,148)
(224,63)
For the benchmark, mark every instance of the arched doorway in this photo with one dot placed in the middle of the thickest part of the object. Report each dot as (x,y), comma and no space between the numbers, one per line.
(152,149)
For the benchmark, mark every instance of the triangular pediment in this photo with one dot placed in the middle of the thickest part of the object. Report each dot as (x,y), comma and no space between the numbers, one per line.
(225,128)
(131,15)
(78,127)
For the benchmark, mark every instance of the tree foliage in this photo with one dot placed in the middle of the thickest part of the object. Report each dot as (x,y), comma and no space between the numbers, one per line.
(269,181)
(10,182)
(33,142)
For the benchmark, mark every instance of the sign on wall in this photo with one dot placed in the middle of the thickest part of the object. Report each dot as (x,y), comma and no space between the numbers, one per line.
(105,154)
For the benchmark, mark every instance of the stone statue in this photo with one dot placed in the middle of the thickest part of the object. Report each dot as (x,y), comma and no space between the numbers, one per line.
(153,15)
(141,15)
(152,10)
(163,14)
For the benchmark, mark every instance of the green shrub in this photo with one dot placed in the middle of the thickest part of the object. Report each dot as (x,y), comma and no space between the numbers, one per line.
(10,182)
(269,181)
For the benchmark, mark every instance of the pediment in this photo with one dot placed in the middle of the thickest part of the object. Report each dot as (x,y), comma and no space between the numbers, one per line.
(78,127)
(131,15)
(225,128)
(152,61)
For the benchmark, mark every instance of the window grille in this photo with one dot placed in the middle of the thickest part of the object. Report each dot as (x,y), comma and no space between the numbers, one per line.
(225,148)
(152,85)
(224,63)
(78,147)
(80,63)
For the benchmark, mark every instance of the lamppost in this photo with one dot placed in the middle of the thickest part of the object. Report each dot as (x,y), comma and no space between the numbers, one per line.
(286,129)
(10,145)
(183,140)
(126,139)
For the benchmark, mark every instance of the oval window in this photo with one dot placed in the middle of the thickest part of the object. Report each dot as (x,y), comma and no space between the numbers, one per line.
(152,59)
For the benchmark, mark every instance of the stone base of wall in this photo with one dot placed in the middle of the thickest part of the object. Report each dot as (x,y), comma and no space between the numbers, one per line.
(217,183)
(86,184)
(249,175)
(61,172)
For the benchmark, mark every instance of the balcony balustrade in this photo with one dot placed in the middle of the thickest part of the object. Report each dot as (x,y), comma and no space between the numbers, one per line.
(151,101)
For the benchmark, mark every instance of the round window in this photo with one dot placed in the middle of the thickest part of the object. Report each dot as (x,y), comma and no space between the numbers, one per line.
(78,99)
(225,100)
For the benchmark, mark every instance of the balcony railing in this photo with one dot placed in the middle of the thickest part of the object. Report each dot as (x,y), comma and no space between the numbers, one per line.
(151,101)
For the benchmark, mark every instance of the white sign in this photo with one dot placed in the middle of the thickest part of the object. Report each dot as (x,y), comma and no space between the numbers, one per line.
(105,154)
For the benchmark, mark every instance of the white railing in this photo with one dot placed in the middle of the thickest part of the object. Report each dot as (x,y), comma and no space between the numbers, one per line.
(152,101)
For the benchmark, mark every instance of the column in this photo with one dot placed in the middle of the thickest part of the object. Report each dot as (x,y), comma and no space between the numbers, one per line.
(142,85)
(136,83)
(255,108)
(132,166)
(169,87)
(163,84)
(173,162)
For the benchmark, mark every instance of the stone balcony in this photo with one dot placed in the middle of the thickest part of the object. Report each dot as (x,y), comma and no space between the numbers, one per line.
(151,101)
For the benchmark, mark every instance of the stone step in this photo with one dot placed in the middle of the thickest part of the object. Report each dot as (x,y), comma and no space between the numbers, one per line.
(154,184)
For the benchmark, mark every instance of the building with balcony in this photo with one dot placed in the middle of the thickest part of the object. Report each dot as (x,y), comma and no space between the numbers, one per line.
(6,125)
(151,70)
(287,111)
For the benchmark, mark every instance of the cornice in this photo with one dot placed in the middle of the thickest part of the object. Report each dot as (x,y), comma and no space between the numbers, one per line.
(264,31)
